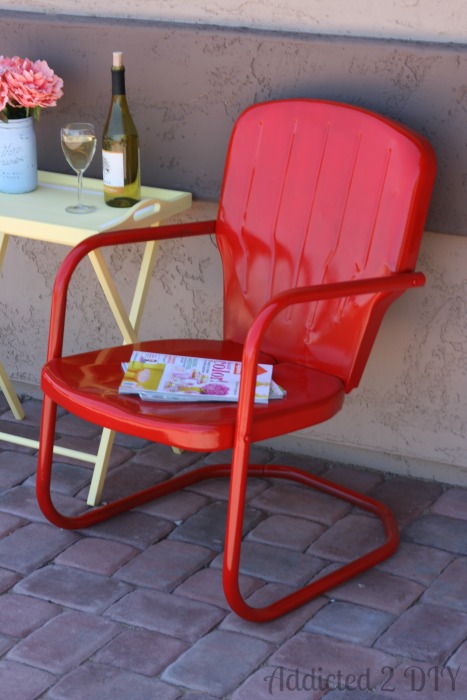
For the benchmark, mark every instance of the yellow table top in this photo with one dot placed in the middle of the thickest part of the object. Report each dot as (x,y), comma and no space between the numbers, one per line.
(41,214)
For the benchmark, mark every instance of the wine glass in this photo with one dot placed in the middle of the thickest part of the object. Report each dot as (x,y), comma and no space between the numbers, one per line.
(79,146)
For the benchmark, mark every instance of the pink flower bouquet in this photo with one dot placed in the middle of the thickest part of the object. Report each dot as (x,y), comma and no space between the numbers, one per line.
(25,87)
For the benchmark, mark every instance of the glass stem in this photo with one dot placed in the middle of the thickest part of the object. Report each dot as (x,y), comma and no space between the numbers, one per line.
(80,186)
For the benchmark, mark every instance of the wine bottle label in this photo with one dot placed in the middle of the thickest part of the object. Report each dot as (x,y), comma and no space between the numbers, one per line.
(113,167)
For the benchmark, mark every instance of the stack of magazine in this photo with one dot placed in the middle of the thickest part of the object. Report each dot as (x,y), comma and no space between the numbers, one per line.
(162,377)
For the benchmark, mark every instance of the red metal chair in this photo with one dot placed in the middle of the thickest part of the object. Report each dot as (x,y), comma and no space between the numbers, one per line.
(322,210)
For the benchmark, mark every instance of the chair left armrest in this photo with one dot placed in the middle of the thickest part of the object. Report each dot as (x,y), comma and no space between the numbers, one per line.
(101,240)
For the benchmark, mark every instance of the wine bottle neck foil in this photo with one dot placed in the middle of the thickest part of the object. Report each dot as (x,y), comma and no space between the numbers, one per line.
(118,81)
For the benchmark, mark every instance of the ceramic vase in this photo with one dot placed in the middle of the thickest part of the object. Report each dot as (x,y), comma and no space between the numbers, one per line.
(18,156)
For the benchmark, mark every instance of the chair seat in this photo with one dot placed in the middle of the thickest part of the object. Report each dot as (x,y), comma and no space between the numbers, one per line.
(87,385)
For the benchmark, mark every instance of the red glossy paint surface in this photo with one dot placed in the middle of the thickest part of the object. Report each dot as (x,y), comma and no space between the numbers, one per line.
(319,226)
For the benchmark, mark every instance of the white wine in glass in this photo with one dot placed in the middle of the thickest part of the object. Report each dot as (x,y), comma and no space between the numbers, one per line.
(79,146)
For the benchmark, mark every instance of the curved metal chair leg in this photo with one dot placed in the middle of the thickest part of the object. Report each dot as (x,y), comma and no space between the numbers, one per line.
(233,541)
(121,505)
(238,472)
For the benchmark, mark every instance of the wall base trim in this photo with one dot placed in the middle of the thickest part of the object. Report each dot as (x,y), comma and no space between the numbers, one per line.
(342,453)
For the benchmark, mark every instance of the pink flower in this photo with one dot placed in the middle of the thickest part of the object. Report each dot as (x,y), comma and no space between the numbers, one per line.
(3,93)
(27,84)
(4,65)
(6,62)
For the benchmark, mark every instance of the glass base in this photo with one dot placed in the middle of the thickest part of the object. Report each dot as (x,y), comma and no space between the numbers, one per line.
(80,209)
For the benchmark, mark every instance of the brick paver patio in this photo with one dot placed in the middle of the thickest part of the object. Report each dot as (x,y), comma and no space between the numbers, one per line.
(133,609)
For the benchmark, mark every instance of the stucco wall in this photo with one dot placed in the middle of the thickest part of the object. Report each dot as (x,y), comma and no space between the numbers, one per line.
(410,411)
(429,20)
(186,86)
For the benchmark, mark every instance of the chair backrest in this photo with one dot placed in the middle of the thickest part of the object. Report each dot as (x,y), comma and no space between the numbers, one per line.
(317,192)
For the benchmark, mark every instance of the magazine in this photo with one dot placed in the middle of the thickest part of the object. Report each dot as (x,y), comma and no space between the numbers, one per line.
(164,377)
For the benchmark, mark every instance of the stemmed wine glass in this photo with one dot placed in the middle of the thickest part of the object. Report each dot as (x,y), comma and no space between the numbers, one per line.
(79,146)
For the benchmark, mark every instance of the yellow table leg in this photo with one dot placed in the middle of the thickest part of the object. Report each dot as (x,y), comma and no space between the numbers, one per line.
(142,284)
(113,297)
(100,468)
(10,394)
(5,383)
(3,244)
(129,326)
(34,444)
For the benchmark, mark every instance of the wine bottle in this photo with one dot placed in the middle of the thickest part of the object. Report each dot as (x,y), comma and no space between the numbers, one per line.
(120,145)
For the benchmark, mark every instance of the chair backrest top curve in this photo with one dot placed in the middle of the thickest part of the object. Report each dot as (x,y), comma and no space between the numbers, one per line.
(317,192)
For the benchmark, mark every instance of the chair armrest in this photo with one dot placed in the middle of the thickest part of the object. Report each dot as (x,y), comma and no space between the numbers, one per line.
(397,282)
(136,235)
(392,283)
(101,240)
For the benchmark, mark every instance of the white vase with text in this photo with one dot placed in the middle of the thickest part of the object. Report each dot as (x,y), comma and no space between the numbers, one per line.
(18,156)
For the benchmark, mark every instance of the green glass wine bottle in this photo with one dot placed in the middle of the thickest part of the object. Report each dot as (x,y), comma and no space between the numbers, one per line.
(120,145)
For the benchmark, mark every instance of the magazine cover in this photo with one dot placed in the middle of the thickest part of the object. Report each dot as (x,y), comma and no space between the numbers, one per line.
(162,377)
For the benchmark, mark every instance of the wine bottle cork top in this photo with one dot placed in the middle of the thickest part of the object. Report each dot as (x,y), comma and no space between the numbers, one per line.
(117,61)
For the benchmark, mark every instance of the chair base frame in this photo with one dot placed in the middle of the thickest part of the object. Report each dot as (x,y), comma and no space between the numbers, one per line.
(238,472)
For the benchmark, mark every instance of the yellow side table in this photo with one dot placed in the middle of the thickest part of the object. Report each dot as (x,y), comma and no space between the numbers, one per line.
(41,215)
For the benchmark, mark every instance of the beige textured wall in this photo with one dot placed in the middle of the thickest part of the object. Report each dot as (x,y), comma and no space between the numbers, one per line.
(410,412)
(429,20)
